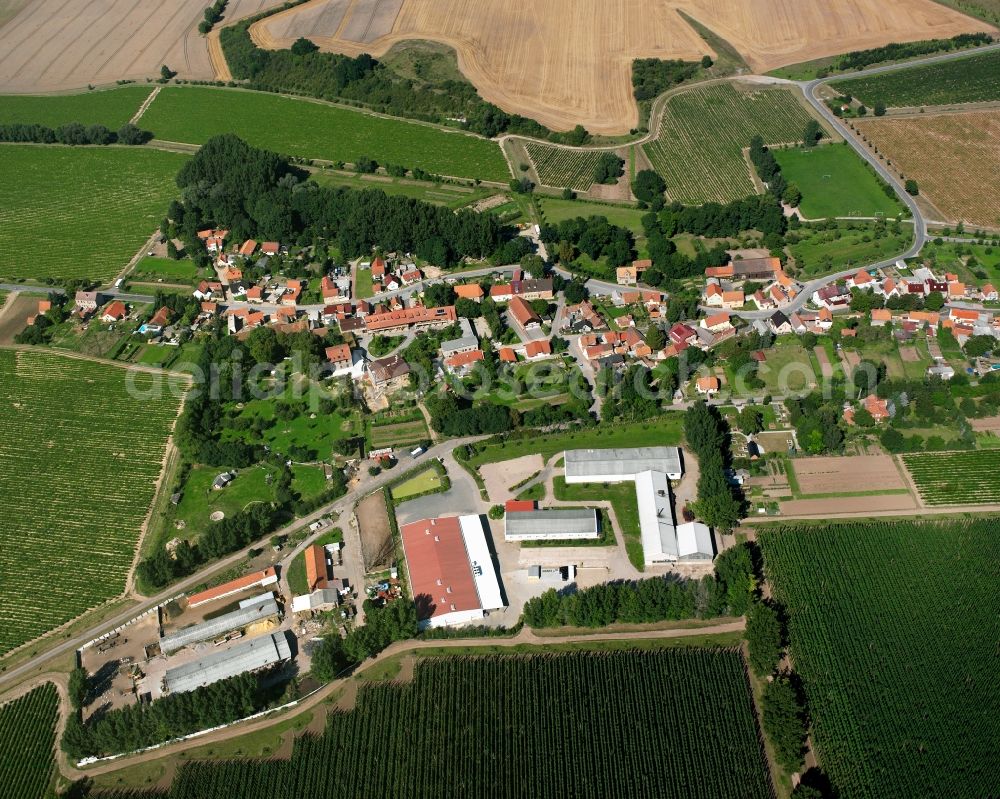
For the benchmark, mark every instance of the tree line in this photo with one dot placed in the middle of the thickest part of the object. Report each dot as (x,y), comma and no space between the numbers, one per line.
(650,600)
(707,434)
(255,193)
(74,133)
(895,51)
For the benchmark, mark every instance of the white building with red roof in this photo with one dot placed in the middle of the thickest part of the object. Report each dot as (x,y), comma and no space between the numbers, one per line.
(452,575)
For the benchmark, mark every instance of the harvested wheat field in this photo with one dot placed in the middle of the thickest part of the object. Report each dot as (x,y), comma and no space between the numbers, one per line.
(847,474)
(50,45)
(955,159)
(565,62)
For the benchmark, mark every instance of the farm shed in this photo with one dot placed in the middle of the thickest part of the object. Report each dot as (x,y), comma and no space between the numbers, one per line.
(451,569)
(550,525)
(621,465)
(261,610)
(252,655)
(267,576)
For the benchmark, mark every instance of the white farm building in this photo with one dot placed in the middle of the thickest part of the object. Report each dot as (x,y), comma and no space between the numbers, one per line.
(651,469)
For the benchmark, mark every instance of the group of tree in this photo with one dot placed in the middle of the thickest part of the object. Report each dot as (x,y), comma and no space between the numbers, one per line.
(258,194)
(144,724)
(653,76)
(650,600)
(817,421)
(455,416)
(609,168)
(384,624)
(770,171)
(213,14)
(594,236)
(73,133)
(648,188)
(707,434)
(364,81)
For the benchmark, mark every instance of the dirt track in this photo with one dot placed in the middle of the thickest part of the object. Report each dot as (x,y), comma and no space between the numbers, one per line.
(565,62)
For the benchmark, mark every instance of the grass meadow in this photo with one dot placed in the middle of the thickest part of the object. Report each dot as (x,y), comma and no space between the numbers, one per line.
(315,130)
(111,108)
(80,212)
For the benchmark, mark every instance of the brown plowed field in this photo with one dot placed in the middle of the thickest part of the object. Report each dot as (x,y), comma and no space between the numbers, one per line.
(50,45)
(565,62)
(835,475)
(954,158)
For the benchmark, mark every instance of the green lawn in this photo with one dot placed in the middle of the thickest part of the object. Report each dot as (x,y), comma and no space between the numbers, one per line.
(426,480)
(556,210)
(363,284)
(965,259)
(312,430)
(156,355)
(199,500)
(152,268)
(834,182)
(819,252)
(111,108)
(308,481)
(435,193)
(314,130)
(80,212)
(788,368)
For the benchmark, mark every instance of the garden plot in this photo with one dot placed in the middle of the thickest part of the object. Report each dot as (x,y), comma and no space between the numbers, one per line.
(376,532)
(847,474)
(81,457)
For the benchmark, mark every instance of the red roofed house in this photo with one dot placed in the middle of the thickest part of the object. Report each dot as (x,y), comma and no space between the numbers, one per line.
(523,314)
(862,280)
(989,293)
(733,299)
(418,316)
(538,349)
(507,355)
(248,248)
(682,334)
(270,248)
(717,322)
(708,385)
(255,294)
(160,318)
(339,357)
(329,289)
(463,361)
(451,570)
(881,316)
(317,574)
(411,276)
(713,294)
(880,409)
(469,291)
(378,269)
(114,312)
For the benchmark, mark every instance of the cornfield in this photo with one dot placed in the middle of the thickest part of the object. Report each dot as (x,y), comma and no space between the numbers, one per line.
(27,740)
(893,628)
(660,723)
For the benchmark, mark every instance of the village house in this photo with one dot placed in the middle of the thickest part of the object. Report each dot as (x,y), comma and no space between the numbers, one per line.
(463,362)
(270,248)
(988,293)
(411,276)
(716,322)
(779,324)
(523,314)
(525,289)
(469,291)
(535,350)
(208,289)
(248,248)
(466,342)
(114,312)
(630,275)
(329,291)
(87,301)
(708,385)
(507,355)
(681,333)
(832,297)
(387,375)
(862,280)
(881,317)
(378,269)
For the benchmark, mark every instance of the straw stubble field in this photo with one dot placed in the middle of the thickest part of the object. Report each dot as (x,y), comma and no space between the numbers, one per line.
(565,62)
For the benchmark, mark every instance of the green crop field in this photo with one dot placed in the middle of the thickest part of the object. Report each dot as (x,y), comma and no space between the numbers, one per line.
(703,132)
(80,212)
(834,182)
(111,108)
(315,130)
(27,741)
(81,458)
(956,478)
(560,167)
(152,268)
(663,723)
(893,630)
(964,80)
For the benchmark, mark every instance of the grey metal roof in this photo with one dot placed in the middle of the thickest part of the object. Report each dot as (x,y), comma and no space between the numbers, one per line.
(578,521)
(251,655)
(265,608)
(582,463)
(467,341)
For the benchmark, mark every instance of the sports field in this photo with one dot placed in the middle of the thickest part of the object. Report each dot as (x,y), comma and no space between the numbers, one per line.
(111,108)
(964,80)
(893,629)
(659,723)
(703,133)
(834,182)
(81,458)
(315,130)
(80,212)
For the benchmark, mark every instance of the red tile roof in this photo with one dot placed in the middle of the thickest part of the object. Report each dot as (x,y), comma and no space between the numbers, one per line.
(518,505)
(440,575)
(316,575)
(410,316)
(534,348)
(239,584)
